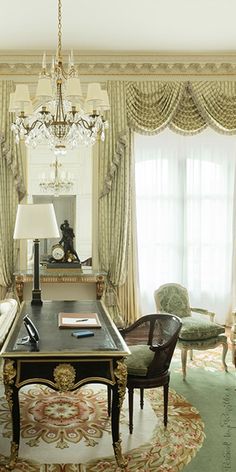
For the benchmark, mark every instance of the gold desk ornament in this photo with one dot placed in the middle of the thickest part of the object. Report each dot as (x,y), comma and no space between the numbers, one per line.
(9,373)
(118,455)
(121,374)
(10,464)
(64,376)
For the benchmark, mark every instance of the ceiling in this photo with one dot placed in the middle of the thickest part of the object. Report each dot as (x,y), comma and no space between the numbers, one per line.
(123,25)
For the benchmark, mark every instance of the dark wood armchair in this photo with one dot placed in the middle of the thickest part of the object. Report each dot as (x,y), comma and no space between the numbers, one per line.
(151,340)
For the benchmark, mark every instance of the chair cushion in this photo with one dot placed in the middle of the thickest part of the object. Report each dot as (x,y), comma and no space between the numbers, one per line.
(200,344)
(196,327)
(139,360)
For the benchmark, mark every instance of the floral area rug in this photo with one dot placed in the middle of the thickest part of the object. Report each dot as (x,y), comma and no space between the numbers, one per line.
(209,360)
(72,433)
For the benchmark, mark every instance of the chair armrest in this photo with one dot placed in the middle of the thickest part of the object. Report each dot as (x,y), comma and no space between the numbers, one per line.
(202,311)
(157,347)
(233,329)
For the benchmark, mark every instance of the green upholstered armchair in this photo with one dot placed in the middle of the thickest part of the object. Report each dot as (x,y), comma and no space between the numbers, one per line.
(197,332)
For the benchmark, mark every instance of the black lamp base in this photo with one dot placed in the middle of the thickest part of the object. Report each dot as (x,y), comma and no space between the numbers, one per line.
(36,297)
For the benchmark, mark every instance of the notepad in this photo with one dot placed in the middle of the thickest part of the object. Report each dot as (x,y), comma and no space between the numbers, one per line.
(78,320)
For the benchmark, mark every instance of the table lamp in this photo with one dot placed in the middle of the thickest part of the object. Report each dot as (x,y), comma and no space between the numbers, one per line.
(36,221)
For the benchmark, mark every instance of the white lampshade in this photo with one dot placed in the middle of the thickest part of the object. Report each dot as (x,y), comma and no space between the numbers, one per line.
(94,93)
(28,109)
(73,87)
(22,94)
(12,106)
(36,221)
(105,105)
(44,87)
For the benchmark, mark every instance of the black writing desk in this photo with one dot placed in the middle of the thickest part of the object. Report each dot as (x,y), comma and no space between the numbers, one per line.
(63,362)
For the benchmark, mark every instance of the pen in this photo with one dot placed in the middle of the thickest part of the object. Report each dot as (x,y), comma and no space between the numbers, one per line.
(83,319)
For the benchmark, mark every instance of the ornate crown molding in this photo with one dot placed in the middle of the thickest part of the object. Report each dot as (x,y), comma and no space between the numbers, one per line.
(104,66)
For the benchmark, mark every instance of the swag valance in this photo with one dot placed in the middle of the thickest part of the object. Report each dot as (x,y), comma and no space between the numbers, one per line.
(150,106)
(185,107)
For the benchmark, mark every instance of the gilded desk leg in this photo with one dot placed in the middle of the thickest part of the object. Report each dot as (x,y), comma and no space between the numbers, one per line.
(117,401)
(233,338)
(19,287)
(100,286)
(11,392)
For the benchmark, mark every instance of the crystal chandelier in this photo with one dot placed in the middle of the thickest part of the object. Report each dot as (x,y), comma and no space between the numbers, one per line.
(57,183)
(65,119)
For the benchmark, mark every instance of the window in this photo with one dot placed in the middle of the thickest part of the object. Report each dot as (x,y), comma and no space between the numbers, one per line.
(185,201)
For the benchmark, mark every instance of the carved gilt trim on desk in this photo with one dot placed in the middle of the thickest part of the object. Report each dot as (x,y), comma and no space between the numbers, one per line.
(9,373)
(64,376)
(13,457)
(122,463)
(121,375)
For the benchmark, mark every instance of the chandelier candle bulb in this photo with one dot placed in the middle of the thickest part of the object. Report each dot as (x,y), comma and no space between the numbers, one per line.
(53,66)
(44,61)
(72,58)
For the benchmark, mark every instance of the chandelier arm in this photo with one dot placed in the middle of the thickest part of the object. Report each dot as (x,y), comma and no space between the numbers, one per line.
(85,124)
(29,128)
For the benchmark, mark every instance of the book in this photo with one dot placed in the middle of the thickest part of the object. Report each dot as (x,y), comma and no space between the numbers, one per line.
(78,320)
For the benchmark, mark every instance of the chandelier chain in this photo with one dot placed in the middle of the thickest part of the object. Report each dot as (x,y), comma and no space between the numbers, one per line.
(59,47)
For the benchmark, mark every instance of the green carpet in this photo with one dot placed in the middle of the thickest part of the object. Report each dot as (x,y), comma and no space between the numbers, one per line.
(213,392)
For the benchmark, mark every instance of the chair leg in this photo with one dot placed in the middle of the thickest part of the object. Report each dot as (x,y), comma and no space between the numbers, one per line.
(166,392)
(109,400)
(184,361)
(131,402)
(191,354)
(225,349)
(141,398)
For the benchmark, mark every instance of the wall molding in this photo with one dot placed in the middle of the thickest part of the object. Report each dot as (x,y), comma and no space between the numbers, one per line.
(127,66)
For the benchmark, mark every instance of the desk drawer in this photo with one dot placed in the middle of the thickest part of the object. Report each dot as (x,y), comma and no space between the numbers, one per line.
(65,374)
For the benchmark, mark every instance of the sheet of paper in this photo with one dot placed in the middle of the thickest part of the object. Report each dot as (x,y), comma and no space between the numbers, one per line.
(77,321)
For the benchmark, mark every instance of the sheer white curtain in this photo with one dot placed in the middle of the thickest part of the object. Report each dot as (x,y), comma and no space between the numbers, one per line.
(185,206)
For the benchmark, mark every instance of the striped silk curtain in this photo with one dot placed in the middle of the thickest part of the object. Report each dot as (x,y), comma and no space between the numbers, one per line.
(115,212)
(12,190)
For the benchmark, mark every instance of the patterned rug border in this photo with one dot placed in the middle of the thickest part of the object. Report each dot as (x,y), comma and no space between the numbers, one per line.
(153,454)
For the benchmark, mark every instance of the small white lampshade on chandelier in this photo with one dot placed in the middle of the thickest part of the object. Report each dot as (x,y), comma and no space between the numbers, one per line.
(66,119)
